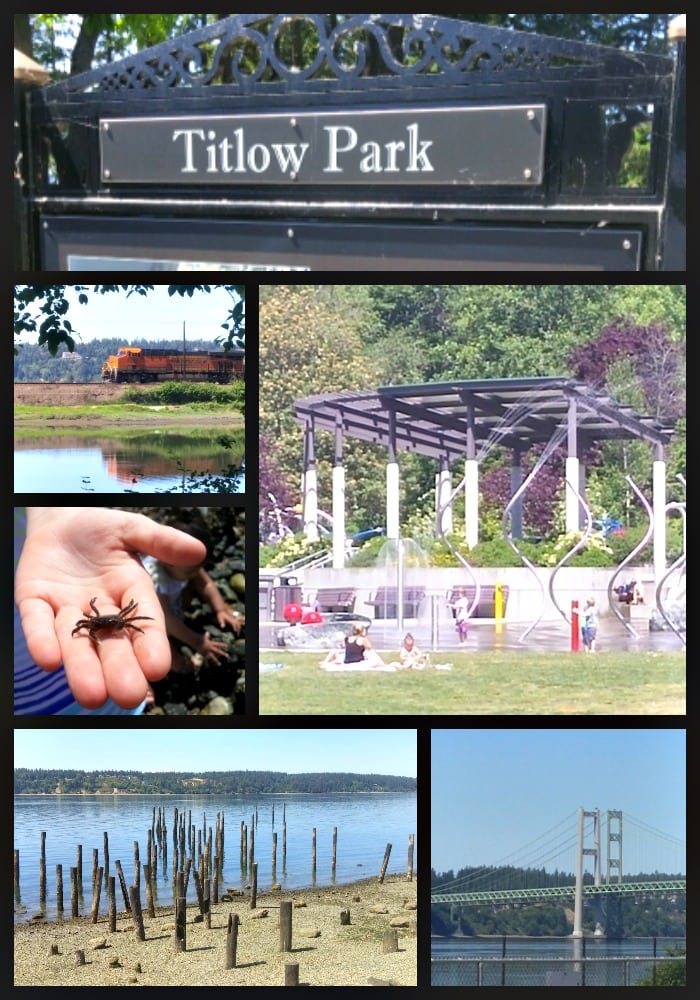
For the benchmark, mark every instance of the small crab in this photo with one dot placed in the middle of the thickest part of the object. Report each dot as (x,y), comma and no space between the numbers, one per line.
(118,622)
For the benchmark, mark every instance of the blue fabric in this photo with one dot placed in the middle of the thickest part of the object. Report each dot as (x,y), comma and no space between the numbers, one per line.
(38,692)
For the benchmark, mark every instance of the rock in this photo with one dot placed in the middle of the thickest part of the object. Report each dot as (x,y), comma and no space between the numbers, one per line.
(399,922)
(115,963)
(259,914)
(298,903)
(378,908)
(218,706)
(95,943)
(311,932)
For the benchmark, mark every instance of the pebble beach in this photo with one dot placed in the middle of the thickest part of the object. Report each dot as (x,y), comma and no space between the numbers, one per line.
(328,951)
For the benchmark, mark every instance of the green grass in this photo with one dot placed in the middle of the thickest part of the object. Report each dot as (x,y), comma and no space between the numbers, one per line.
(118,411)
(488,683)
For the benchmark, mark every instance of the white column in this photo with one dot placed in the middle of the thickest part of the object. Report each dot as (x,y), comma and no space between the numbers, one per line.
(578,890)
(571,505)
(471,501)
(392,500)
(311,505)
(658,504)
(443,490)
(338,510)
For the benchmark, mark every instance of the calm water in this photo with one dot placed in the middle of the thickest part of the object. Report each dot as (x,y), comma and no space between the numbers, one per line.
(85,465)
(365,825)
(543,961)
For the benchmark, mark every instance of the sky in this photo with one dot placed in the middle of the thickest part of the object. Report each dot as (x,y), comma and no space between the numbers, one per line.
(155,316)
(495,792)
(369,751)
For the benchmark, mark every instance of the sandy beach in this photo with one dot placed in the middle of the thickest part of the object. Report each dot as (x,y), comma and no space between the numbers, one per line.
(328,952)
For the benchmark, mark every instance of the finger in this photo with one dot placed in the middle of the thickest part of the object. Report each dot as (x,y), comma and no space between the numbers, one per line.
(162,542)
(124,678)
(82,664)
(38,625)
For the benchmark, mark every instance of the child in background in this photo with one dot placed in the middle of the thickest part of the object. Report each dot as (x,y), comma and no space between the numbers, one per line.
(174,586)
(461,608)
(589,625)
(410,656)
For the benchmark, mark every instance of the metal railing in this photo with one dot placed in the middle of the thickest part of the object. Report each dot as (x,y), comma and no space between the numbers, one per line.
(541,971)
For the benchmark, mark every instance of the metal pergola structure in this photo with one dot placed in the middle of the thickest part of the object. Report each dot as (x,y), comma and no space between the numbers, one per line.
(463,420)
(439,419)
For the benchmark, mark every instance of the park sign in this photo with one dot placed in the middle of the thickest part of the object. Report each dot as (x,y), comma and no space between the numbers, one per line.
(463,145)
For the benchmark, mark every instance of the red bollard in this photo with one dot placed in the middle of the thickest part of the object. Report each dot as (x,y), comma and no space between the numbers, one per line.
(575,631)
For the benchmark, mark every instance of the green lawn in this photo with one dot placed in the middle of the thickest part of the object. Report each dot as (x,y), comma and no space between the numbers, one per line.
(487,683)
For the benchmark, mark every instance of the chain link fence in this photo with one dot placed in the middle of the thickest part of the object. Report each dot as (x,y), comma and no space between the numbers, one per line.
(619,971)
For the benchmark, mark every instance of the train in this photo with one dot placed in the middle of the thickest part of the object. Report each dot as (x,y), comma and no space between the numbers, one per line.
(142,364)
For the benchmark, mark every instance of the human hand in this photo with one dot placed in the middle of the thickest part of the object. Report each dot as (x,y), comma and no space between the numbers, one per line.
(74,554)
(213,649)
(234,619)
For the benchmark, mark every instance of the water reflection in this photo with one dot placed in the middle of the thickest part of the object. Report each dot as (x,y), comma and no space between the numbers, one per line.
(154,461)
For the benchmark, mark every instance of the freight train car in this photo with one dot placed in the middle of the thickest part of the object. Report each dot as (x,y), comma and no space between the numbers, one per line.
(140,364)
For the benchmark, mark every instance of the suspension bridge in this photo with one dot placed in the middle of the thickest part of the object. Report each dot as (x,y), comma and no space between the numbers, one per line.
(478,887)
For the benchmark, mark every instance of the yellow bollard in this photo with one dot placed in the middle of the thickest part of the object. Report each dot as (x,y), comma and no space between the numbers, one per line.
(498,601)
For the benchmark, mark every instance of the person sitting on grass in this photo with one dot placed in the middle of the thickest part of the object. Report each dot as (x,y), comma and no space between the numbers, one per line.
(410,656)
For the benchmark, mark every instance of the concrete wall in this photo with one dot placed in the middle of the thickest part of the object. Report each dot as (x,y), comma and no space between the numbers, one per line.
(525,594)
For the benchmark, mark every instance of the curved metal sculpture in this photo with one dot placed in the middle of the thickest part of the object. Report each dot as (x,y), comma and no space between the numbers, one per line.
(679,564)
(556,438)
(580,544)
(630,557)
(455,551)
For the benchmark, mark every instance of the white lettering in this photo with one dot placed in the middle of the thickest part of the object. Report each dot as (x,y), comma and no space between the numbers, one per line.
(372,162)
(258,158)
(287,155)
(188,134)
(334,148)
(392,148)
(416,154)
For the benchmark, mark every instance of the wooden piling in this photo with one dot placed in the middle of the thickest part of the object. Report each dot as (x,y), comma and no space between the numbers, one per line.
(122,883)
(74,892)
(313,853)
(291,973)
(79,863)
(105,854)
(149,890)
(207,903)
(59,890)
(137,865)
(390,941)
(42,871)
(274,850)
(286,925)
(180,934)
(254,887)
(251,842)
(200,890)
(95,865)
(231,940)
(334,849)
(344,918)
(80,957)
(96,891)
(409,869)
(135,899)
(112,903)
(385,862)
(16,869)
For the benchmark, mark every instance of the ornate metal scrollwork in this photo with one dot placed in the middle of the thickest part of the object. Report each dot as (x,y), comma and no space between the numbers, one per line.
(244,50)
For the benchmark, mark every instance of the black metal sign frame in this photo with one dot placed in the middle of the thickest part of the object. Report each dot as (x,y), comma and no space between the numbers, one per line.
(588,101)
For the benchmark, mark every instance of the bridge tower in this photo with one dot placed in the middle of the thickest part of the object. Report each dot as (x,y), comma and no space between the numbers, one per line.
(582,850)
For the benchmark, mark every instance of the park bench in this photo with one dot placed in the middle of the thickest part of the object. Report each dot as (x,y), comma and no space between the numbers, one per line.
(486,607)
(385,602)
(331,600)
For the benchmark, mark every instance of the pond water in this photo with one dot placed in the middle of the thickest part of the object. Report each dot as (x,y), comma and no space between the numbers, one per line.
(364,825)
(141,463)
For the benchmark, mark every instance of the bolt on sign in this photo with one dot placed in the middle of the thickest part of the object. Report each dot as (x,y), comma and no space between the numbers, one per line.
(490,144)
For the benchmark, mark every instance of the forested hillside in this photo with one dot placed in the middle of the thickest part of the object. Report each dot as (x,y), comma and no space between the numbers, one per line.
(36,781)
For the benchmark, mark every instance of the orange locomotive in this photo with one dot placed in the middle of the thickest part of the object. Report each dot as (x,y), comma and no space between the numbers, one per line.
(138,364)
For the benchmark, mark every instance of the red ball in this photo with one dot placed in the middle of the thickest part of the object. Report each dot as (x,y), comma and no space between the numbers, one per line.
(292,613)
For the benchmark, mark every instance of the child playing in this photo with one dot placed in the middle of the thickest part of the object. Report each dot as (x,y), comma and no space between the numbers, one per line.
(174,586)
(589,625)
(410,656)
(461,608)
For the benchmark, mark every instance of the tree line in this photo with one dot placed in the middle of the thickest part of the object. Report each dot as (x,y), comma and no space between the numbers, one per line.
(37,781)
(654,915)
